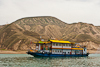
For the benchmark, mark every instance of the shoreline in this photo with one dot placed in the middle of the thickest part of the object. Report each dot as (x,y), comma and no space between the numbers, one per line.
(93,51)
(12,52)
(24,52)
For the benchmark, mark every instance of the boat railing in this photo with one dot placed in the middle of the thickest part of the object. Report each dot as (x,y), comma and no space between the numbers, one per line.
(77,47)
(43,51)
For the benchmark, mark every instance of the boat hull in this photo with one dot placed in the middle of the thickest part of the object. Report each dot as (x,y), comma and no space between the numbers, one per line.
(56,55)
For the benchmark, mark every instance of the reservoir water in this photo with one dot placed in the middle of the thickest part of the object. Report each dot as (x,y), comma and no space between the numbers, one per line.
(24,60)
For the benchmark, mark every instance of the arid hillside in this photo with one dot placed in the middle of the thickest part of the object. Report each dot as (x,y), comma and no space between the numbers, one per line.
(19,34)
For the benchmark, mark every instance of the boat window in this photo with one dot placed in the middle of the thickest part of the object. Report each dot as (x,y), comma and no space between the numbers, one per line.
(64,44)
(56,44)
(73,51)
(60,44)
(67,44)
(55,51)
(77,51)
(58,51)
(53,44)
(48,44)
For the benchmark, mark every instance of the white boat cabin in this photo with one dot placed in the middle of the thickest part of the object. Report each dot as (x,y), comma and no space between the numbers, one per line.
(59,47)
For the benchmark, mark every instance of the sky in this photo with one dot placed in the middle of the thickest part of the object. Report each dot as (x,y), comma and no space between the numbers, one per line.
(69,11)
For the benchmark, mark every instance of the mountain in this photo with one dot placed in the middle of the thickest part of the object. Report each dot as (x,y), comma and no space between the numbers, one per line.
(19,34)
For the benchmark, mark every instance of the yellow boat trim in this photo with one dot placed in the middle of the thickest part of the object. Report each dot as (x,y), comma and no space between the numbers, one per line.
(59,41)
(77,48)
(54,41)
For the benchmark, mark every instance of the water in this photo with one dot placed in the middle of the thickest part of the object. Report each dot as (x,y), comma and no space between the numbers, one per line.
(24,60)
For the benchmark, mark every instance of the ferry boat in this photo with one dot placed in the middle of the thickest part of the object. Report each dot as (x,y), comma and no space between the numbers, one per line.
(58,48)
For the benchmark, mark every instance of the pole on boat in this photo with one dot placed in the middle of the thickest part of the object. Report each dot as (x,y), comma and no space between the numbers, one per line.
(40,38)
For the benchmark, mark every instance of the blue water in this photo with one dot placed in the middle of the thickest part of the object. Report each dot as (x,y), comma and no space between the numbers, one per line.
(24,60)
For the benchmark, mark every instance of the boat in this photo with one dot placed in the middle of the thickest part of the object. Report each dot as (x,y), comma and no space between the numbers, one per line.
(58,48)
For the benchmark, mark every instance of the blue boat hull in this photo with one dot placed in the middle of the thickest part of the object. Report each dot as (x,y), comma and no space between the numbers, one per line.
(57,55)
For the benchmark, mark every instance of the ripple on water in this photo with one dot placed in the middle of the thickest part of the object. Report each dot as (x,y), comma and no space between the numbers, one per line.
(24,60)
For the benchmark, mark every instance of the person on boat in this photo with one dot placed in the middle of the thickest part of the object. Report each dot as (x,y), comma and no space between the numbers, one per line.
(50,48)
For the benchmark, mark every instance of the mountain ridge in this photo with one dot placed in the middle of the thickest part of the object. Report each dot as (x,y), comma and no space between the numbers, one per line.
(19,34)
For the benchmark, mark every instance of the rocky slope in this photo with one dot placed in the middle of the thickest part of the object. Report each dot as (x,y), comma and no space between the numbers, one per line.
(19,34)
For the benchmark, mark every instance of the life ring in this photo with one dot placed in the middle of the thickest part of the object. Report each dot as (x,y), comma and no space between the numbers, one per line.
(43,52)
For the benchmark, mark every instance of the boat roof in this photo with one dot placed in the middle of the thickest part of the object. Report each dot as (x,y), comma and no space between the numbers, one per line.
(54,41)
(59,41)
(42,42)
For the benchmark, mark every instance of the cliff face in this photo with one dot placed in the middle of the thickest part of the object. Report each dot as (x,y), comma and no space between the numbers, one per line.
(90,45)
(82,32)
(19,34)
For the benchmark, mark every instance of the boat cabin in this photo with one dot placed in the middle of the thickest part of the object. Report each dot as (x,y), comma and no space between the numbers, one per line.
(59,47)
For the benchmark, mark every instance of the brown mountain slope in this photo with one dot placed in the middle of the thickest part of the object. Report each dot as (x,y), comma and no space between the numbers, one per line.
(82,32)
(46,26)
(13,38)
(19,34)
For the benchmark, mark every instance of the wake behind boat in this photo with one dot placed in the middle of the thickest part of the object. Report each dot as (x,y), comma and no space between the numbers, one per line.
(58,48)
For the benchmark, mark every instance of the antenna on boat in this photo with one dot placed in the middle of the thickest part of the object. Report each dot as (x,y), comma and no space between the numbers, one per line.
(40,38)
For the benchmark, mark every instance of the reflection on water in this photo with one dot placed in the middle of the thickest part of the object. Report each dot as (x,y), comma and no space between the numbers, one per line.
(24,60)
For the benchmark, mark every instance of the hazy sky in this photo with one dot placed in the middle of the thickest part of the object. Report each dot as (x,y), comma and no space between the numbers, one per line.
(69,11)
